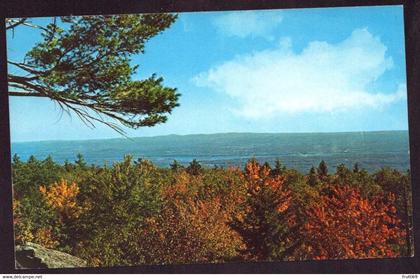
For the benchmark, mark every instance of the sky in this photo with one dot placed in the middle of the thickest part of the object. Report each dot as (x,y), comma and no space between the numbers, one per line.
(297,70)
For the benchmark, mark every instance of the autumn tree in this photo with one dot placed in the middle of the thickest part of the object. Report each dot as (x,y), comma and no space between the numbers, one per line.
(192,227)
(83,64)
(398,183)
(268,221)
(33,216)
(345,225)
(61,196)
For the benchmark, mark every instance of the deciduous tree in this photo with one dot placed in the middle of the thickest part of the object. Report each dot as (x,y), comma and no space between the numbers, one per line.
(345,225)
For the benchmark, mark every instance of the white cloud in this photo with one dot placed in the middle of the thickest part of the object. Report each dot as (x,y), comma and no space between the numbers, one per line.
(322,78)
(248,23)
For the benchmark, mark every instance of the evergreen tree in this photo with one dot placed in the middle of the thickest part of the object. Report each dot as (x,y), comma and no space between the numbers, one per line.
(344,175)
(32,160)
(48,162)
(266,165)
(80,161)
(83,64)
(322,169)
(16,166)
(356,168)
(269,221)
(194,168)
(313,179)
(124,196)
(68,166)
(278,169)
(16,159)
(175,166)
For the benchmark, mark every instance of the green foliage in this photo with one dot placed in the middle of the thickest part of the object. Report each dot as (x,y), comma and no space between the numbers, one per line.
(31,208)
(85,62)
(34,215)
(358,178)
(278,169)
(133,212)
(393,181)
(129,193)
(221,183)
(27,177)
(175,166)
(80,162)
(268,220)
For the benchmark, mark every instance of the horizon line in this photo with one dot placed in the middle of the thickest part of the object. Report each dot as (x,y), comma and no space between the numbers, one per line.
(199,134)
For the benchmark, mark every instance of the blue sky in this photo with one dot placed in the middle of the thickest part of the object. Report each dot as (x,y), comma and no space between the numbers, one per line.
(302,70)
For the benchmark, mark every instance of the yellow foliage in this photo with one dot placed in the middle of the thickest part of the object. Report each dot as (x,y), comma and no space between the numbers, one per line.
(62,197)
(23,230)
(46,238)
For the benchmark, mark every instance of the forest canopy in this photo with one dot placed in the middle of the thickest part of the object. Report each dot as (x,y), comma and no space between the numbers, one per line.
(133,212)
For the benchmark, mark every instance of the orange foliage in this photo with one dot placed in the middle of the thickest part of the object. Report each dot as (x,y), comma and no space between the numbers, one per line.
(345,225)
(190,229)
(258,177)
(62,197)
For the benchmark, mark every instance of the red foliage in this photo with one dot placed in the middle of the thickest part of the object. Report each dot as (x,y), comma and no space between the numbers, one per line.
(346,225)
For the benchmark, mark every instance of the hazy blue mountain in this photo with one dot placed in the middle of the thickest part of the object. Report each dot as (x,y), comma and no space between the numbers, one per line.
(297,150)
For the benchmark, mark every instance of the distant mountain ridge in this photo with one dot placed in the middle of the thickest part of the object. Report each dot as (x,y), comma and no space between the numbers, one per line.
(212,134)
(371,150)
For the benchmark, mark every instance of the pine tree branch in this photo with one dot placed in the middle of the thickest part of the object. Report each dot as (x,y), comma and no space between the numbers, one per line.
(25,94)
(35,26)
(15,23)
(25,67)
